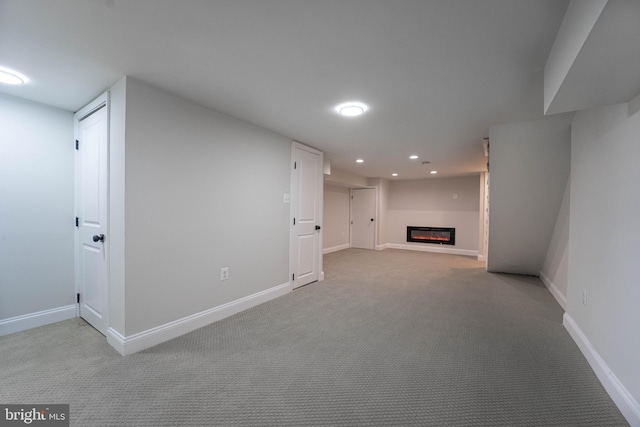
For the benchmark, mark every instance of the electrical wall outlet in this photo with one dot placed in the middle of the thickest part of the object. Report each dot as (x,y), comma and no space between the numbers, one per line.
(584,297)
(224,273)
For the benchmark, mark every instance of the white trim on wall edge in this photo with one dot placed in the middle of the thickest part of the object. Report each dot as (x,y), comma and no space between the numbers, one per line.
(435,248)
(481,258)
(382,247)
(154,336)
(557,294)
(618,392)
(33,320)
(335,248)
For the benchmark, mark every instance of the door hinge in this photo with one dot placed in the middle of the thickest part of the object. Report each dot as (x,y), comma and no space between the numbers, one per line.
(295,165)
(77,144)
(293,277)
(294,221)
(77,222)
(78,298)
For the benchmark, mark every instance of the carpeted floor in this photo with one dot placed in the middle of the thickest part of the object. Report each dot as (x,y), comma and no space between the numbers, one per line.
(389,338)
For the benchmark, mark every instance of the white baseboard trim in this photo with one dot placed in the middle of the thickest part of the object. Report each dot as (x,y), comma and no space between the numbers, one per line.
(335,248)
(618,392)
(557,294)
(145,339)
(382,247)
(33,320)
(433,248)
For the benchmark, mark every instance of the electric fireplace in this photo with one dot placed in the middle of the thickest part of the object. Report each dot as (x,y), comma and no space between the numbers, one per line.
(437,235)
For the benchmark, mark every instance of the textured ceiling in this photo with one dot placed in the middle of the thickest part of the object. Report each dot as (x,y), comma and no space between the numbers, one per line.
(436,74)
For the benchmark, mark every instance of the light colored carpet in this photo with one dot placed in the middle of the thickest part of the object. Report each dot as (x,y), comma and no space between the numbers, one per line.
(389,338)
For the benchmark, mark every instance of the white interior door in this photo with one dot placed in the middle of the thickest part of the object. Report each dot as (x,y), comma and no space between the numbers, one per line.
(306,213)
(91,211)
(363,218)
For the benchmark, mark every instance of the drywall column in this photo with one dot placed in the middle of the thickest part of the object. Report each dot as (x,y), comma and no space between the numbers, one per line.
(117,125)
(554,269)
(529,169)
(482,220)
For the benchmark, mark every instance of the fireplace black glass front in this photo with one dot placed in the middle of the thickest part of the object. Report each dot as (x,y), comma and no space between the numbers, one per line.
(437,235)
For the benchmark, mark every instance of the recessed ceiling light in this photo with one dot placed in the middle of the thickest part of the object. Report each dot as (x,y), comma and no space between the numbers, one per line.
(351,109)
(359,161)
(413,157)
(394,174)
(11,77)
(434,172)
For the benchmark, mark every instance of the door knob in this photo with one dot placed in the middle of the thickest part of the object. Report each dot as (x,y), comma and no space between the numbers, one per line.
(98,238)
(318,227)
(371,219)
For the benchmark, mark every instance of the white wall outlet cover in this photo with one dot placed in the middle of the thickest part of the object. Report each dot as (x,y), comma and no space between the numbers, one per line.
(287,198)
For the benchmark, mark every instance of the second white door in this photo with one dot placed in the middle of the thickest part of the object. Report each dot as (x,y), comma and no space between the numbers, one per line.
(363,218)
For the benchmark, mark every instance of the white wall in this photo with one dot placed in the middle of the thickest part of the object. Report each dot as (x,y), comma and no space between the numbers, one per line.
(430,202)
(336,218)
(203,191)
(36,213)
(556,262)
(529,169)
(604,239)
